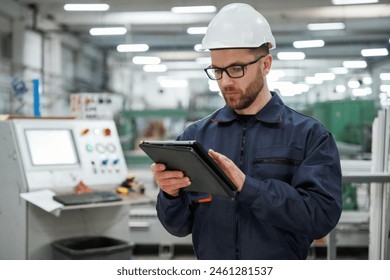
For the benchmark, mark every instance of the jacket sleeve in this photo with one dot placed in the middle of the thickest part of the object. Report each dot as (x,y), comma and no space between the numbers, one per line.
(174,213)
(312,204)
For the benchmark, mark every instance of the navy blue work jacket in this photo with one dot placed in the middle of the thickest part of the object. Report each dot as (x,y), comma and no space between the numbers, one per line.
(291,194)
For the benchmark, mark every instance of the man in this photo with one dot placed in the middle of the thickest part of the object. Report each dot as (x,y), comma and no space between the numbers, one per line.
(285,165)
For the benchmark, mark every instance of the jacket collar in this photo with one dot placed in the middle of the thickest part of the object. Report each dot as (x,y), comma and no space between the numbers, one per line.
(271,113)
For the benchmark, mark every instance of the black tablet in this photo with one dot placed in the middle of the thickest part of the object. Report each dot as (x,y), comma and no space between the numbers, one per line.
(191,158)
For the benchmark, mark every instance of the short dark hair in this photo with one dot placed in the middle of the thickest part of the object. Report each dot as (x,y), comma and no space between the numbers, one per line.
(263,49)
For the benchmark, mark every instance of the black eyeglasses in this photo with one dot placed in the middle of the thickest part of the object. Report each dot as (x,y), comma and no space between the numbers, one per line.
(234,71)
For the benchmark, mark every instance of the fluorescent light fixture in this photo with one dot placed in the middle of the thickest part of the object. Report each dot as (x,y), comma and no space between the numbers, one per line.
(353,84)
(289,88)
(308,44)
(313,81)
(146,60)
(159,68)
(384,100)
(274,75)
(290,55)
(326,26)
(173,83)
(385,88)
(375,52)
(367,80)
(385,76)
(355,64)
(353,2)
(340,88)
(132,48)
(86,7)
(101,31)
(193,9)
(339,70)
(361,91)
(196,30)
(198,47)
(325,76)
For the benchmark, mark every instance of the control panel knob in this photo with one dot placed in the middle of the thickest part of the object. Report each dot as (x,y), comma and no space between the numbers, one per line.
(107,132)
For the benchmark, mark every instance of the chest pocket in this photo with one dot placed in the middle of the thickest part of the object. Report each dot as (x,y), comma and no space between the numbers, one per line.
(277,163)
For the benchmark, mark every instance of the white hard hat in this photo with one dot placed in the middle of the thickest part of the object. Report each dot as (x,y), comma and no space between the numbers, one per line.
(238,25)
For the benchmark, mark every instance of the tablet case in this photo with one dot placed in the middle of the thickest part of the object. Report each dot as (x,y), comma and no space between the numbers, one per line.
(190,157)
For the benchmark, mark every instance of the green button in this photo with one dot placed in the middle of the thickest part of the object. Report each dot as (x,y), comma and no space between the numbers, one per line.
(89,148)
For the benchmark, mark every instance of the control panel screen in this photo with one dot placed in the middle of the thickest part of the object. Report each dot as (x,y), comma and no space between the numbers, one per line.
(51,147)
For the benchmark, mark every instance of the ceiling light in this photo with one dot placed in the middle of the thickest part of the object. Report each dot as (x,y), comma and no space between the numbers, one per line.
(155,68)
(326,26)
(353,84)
(361,91)
(385,88)
(367,80)
(132,48)
(98,31)
(146,60)
(193,9)
(340,88)
(173,83)
(196,30)
(86,7)
(308,44)
(375,52)
(384,76)
(289,88)
(355,64)
(325,76)
(275,75)
(290,55)
(198,48)
(353,2)
(313,81)
(339,70)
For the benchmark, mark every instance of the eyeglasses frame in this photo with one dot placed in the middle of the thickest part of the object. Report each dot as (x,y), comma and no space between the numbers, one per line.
(225,69)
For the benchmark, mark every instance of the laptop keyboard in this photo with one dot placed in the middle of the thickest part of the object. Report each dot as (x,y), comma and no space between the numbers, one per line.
(87,198)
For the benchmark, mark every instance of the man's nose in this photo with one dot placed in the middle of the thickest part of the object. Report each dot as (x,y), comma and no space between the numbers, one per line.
(225,80)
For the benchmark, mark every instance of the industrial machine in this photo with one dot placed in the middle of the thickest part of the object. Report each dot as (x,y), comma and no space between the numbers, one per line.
(40,158)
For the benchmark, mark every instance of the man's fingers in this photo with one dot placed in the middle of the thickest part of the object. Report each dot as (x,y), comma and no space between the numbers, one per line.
(219,158)
(156,167)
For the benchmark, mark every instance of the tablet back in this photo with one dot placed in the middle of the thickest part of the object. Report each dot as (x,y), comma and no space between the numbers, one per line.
(187,156)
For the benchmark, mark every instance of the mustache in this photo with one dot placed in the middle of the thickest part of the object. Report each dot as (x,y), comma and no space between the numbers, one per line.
(230,89)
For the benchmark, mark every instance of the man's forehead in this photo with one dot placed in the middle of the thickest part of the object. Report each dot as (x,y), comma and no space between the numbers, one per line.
(226,57)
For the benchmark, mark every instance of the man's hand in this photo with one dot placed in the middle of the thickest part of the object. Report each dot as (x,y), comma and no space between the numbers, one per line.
(169,181)
(232,171)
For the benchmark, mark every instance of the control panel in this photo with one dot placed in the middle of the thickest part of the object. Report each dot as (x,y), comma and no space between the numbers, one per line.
(61,153)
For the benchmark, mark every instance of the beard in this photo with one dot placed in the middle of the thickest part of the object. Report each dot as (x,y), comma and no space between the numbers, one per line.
(238,99)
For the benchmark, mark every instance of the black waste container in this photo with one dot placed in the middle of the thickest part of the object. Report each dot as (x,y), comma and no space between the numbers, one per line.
(91,248)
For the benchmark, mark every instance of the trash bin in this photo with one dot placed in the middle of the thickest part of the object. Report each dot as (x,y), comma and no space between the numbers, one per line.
(91,248)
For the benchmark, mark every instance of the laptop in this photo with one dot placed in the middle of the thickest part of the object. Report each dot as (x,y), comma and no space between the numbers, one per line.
(191,158)
(87,198)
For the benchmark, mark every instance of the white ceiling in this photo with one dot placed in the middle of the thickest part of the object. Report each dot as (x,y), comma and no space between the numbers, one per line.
(151,22)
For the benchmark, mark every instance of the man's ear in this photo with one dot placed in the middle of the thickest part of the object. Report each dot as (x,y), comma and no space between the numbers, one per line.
(267,64)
